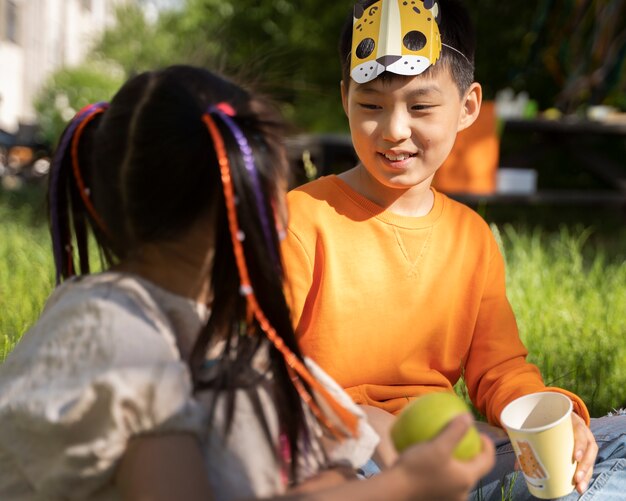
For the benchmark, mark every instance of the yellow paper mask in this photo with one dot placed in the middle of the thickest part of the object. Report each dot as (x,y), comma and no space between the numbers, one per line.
(400,36)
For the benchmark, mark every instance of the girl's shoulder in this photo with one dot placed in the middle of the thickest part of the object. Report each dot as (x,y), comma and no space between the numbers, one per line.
(103,304)
(99,366)
(123,295)
(98,321)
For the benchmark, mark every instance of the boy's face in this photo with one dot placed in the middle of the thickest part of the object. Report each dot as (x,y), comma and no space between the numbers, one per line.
(404,128)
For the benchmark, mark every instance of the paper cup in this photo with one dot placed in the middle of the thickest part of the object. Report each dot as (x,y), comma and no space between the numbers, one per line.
(540,428)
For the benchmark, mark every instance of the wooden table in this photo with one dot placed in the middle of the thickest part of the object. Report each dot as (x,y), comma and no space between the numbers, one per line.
(568,134)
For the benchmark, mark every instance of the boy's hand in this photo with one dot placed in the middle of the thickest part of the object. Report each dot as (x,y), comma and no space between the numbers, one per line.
(585,452)
(436,473)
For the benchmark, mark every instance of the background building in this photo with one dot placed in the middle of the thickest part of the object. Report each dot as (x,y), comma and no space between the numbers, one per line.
(38,37)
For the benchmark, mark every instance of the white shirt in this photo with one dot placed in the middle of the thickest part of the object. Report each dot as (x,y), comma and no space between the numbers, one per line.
(106,362)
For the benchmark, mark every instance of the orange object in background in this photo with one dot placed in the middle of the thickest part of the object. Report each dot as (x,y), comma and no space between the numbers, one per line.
(472,164)
(20,156)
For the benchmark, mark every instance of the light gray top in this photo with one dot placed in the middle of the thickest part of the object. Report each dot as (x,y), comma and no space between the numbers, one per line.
(104,363)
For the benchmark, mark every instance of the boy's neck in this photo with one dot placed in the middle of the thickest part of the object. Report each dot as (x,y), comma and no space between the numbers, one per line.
(415,201)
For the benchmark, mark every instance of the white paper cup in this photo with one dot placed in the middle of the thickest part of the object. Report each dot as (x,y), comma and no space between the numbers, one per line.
(540,428)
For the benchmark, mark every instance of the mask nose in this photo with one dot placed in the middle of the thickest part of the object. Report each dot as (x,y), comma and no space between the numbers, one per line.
(387,60)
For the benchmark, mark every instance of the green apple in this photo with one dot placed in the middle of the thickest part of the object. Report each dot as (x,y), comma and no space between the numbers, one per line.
(426,416)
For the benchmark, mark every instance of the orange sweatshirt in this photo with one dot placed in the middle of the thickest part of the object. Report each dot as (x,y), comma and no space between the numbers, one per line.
(393,307)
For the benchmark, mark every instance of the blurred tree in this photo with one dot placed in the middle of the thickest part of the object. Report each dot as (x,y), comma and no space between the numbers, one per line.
(566,52)
(503,31)
(286,48)
(68,90)
(138,43)
(580,45)
(283,48)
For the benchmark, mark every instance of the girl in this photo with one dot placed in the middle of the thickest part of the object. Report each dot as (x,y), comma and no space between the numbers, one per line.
(175,373)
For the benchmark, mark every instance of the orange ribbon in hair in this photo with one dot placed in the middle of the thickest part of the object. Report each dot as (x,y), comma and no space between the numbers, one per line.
(82,189)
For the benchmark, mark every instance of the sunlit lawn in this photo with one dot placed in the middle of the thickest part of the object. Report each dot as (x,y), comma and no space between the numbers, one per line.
(25,266)
(568,290)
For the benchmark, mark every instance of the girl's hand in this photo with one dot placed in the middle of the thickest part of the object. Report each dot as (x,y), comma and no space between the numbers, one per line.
(585,452)
(431,466)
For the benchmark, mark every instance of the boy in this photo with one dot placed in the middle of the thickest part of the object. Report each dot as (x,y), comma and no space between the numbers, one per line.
(396,289)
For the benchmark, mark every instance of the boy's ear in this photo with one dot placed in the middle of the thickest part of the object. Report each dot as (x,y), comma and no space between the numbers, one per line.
(471,106)
(344,97)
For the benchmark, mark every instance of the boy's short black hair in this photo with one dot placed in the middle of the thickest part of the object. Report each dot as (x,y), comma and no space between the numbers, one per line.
(456,29)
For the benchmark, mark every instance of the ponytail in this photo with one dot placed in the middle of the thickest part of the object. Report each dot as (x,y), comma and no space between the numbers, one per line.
(309,388)
(69,198)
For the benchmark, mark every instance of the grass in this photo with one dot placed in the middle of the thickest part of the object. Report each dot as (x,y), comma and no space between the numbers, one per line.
(567,288)
(568,291)
(26,266)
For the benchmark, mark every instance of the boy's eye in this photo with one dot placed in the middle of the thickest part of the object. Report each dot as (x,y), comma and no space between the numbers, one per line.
(369,106)
(421,107)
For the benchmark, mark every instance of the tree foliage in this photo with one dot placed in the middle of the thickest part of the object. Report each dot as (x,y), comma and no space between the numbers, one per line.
(137,44)
(287,49)
(68,90)
(563,52)
(283,48)
(581,48)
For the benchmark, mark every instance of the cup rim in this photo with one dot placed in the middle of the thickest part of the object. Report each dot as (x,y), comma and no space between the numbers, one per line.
(538,428)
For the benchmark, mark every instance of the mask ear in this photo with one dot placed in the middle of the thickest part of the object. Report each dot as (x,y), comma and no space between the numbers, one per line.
(360,6)
(434,6)
(471,106)
(359,10)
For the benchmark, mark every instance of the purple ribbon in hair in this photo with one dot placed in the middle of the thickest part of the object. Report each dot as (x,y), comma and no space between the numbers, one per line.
(55,168)
(248,159)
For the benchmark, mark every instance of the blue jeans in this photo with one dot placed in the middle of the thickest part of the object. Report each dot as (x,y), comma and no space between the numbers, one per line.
(368,470)
(609,474)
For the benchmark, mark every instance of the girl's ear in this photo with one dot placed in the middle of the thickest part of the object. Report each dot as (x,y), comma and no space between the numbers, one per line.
(470,106)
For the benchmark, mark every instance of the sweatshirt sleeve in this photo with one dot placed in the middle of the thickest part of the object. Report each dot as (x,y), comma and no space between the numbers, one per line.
(496,370)
(298,276)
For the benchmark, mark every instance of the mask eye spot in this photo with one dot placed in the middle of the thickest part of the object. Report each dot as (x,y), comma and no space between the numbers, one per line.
(365,48)
(414,40)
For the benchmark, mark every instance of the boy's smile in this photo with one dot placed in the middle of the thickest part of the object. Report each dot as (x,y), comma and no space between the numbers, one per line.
(403,128)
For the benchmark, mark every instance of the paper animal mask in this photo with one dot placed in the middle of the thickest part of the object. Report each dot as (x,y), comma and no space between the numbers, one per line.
(400,36)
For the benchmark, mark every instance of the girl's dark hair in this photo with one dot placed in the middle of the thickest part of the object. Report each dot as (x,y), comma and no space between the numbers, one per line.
(456,29)
(152,171)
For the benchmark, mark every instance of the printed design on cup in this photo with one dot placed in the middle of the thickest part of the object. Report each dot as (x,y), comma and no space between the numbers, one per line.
(530,464)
